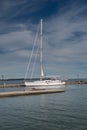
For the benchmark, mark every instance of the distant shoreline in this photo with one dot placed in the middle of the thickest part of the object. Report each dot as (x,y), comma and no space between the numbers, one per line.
(69,79)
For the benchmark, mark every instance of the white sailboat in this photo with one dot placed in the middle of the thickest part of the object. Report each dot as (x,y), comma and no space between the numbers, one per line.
(47,83)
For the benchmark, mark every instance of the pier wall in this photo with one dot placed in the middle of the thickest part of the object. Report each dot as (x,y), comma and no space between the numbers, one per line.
(32,92)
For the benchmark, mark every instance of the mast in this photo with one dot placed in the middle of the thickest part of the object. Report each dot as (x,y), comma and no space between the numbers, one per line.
(41,68)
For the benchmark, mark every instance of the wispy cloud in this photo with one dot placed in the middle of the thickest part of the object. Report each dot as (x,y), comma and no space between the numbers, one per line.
(65,44)
(68,36)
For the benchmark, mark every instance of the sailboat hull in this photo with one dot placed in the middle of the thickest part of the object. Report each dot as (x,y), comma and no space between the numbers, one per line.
(46,84)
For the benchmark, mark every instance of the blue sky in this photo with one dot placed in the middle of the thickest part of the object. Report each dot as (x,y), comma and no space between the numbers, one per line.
(65,44)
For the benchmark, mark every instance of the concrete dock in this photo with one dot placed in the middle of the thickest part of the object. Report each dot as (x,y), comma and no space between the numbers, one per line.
(30,92)
(22,85)
(11,85)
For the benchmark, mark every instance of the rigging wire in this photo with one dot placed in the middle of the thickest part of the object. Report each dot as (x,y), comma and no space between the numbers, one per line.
(33,67)
(28,66)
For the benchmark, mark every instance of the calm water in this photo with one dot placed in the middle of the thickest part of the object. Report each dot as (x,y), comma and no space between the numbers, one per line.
(58,111)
